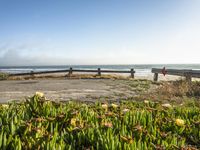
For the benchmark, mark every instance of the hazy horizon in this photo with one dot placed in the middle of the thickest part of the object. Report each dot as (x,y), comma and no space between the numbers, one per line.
(191,64)
(42,33)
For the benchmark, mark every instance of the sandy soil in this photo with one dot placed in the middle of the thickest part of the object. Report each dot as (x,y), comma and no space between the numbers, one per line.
(64,89)
(67,89)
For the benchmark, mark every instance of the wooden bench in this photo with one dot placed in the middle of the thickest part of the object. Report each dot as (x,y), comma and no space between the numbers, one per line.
(187,73)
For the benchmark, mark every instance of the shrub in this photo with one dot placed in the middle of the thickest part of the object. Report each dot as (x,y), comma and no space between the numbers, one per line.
(3,76)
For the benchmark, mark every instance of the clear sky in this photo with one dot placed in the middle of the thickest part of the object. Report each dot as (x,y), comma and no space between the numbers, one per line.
(63,32)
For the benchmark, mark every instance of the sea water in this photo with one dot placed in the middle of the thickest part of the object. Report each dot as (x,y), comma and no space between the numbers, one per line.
(141,69)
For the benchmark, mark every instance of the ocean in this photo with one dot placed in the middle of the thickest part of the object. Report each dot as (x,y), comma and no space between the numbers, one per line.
(141,70)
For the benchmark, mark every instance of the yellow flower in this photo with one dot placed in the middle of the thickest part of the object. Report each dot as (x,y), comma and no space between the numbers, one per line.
(180,122)
(73,121)
(105,106)
(39,94)
(127,139)
(146,101)
(5,105)
(167,105)
(114,105)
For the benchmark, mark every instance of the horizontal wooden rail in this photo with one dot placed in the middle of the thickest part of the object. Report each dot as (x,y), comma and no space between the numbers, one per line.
(188,73)
(39,72)
(71,70)
(105,71)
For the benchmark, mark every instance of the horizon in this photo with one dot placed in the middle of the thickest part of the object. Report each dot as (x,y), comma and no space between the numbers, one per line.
(198,64)
(46,33)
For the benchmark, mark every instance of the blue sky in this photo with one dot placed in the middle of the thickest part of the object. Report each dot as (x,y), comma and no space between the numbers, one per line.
(63,32)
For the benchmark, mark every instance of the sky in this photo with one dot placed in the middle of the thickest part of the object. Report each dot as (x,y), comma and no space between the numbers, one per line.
(91,32)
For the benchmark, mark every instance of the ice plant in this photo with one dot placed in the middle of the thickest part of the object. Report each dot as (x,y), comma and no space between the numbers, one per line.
(180,122)
(127,139)
(35,124)
(39,94)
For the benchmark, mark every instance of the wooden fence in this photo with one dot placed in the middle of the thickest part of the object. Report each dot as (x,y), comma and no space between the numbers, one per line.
(188,74)
(99,71)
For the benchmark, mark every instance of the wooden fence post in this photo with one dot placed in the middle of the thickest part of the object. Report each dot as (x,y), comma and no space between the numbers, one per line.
(155,77)
(70,71)
(99,71)
(188,76)
(32,74)
(132,73)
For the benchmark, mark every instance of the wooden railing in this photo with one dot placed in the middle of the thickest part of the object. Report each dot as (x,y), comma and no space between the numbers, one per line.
(188,74)
(71,70)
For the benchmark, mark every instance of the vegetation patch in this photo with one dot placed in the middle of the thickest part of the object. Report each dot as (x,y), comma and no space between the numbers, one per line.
(140,85)
(38,123)
(173,91)
(3,76)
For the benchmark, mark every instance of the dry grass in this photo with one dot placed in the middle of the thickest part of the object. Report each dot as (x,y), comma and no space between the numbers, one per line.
(174,91)
(3,76)
(73,76)
(180,88)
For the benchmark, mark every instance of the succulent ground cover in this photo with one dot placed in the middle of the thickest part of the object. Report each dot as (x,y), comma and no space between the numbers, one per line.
(38,123)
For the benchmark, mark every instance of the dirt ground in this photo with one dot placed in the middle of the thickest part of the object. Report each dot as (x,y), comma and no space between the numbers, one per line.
(65,89)
(89,89)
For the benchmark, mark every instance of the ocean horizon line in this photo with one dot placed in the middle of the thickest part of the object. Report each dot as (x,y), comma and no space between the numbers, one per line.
(100,64)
